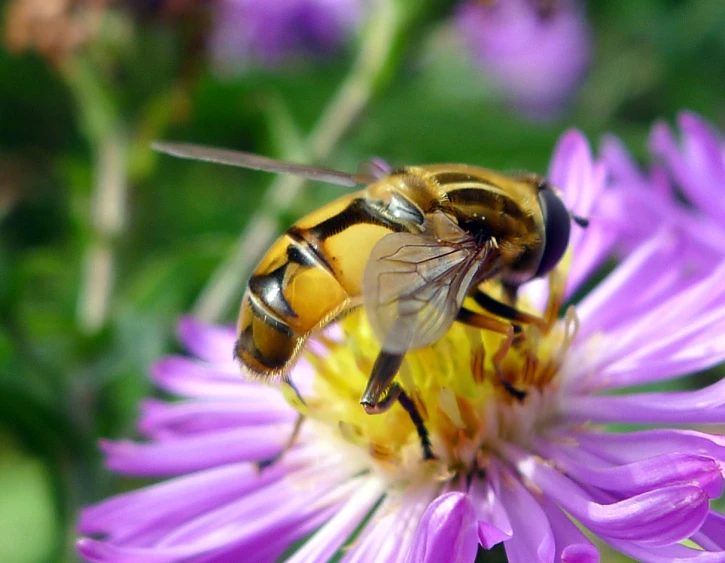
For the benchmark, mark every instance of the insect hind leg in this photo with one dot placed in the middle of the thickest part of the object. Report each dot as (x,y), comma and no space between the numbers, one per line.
(261,465)
(381,393)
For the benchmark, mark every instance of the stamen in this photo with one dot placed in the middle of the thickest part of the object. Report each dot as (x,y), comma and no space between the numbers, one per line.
(448,404)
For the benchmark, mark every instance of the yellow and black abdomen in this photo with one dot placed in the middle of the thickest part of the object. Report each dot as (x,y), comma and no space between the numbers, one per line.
(310,276)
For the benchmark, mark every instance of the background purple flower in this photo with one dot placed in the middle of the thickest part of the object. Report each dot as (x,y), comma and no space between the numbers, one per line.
(697,162)
(536,54)
(274,32)
(643,201)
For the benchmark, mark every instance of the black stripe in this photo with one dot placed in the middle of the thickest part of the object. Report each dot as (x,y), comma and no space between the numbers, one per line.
(309,243)
(359,211)
(269,290)
(494,200)
(245,343)
(297,254)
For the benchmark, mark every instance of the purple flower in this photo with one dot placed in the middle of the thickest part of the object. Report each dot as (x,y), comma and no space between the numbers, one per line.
(697,164)
(270,33)
(536,56)
(641,202)
(508,471)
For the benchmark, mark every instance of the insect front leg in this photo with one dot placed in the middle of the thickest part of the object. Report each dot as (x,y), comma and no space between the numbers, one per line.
(506,311)
(510,331)
(378,396)
(471,318)
(381,393)
(497,361)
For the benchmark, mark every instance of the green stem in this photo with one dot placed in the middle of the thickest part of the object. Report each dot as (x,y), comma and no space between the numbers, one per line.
(100,121)
(227,282)
(107,219)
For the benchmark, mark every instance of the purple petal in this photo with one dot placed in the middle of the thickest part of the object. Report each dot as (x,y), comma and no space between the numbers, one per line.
(610,301)
(200,451)
(328,539)
(271,517)
(447,531)
(705,406)
(161,420)
(494,525)
(93,550)
(666,554)
(640,476)
(390,530)
(533,540)
(571,545)
(263,516)
(571,157)
(658,517)
(165,505)
(672,342)
(711,535)
(691,312)
(643,444)
(191,378)
(580,553)
(581,181)
(619,162)
(697,165)
(207,342)
(273,547)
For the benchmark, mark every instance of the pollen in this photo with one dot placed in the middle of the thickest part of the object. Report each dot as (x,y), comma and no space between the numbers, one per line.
(473,389)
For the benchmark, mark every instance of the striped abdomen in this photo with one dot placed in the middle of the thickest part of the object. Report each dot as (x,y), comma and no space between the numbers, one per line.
(311,275)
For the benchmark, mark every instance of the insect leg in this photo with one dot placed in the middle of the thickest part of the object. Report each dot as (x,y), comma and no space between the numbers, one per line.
(466,316)
(296,391)
(380,394)
(261,465)
(409,405)
(487,323)
(497,360)
(505,311)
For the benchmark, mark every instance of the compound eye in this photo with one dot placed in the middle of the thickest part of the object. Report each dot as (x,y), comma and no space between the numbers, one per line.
(557,227)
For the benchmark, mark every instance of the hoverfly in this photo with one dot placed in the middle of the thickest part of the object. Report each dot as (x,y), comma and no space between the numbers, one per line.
(409,248)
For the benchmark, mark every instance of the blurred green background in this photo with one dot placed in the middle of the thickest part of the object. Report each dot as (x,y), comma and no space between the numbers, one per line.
(105,244)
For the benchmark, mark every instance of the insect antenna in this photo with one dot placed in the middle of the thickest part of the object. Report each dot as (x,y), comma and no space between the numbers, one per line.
(583,222)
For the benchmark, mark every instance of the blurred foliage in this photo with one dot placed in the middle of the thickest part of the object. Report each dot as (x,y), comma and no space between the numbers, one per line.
(62,386)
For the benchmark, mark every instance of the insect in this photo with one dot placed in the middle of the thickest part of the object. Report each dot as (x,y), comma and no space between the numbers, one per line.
(409,248)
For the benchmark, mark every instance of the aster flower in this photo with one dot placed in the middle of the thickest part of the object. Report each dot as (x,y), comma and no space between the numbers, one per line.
(697,168)
(249,32)
(537,52)
(511,471)
(697,163)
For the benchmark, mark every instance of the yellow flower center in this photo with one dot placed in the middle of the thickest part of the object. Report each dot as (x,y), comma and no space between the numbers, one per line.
(457,385)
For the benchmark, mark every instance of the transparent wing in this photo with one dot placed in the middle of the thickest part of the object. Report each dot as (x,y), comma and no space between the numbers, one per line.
(374,168)
(414,284)
(256,162)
